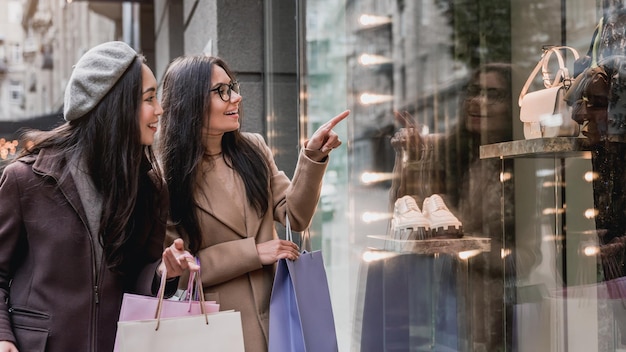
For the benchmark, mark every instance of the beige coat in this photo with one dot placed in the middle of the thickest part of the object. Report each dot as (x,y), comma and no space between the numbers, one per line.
(232,273)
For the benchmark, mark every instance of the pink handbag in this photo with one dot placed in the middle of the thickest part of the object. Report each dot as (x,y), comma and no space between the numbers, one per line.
(138,307)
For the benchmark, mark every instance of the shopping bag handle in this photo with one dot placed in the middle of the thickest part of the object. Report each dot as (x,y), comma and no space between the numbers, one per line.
(193,278)
(305,238)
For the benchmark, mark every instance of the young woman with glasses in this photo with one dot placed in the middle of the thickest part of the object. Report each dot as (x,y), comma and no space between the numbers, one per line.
(487,107)
(226,192)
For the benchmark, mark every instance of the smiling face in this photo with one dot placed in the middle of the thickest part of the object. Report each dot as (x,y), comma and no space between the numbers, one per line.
(488,106)
(150,109)
(223,115)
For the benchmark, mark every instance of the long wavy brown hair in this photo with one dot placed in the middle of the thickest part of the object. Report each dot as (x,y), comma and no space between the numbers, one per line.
(186,106)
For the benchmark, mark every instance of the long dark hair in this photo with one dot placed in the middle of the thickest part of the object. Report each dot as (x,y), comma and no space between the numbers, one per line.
(108,140)
(186,106)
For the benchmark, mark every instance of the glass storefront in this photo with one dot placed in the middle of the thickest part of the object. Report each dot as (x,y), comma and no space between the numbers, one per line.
(525,249)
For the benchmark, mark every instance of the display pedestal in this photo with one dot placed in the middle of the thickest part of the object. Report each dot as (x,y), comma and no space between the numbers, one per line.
(424,286)
(557,302)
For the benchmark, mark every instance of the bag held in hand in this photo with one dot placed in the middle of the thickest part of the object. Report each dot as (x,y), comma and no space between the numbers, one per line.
(301,315)
(214,332)
(544,112)
(139,307)
(155,324)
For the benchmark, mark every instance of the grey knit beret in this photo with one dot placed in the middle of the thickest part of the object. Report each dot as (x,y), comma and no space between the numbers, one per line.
(94,75)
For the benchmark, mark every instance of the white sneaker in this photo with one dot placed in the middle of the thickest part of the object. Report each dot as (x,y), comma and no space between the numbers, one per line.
(442,222)
(408,223)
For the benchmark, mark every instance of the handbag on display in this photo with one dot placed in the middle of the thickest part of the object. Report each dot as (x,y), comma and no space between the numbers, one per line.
(301,315)
(544,112)
(157,324)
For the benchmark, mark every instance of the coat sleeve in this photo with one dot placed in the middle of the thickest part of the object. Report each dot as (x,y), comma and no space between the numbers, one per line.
(10,234)
(228,260)
(300,195)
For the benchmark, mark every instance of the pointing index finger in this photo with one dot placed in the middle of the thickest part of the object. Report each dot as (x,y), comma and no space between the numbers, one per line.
(335,120)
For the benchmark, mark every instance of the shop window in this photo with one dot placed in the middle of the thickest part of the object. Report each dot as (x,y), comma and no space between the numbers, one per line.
(47,62)
(16,92)
(32,83)
(16,53)
(30,47)
(14,11)
(451,71)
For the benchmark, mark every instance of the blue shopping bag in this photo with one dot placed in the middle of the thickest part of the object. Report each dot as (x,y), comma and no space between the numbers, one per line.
(301,315)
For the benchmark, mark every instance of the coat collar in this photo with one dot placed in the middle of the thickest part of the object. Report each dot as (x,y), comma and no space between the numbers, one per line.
(52,163)
(228,204)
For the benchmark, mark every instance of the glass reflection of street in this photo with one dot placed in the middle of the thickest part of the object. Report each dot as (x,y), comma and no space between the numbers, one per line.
(344,239)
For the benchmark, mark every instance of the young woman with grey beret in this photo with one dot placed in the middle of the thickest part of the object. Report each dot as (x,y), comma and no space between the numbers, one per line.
(84,210)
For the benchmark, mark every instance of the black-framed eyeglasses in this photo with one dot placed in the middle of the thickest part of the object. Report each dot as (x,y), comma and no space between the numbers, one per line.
(493,95)
(224,90)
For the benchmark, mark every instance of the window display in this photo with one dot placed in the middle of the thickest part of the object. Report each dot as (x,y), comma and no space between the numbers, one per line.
(535,251)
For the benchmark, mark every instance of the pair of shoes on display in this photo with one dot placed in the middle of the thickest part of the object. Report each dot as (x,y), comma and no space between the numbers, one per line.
(434,220)
(408,222)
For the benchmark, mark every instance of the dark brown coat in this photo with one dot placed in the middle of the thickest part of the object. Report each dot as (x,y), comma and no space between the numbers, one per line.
(51,298)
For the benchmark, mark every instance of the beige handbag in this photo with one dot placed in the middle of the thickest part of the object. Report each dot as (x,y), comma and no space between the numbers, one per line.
(544,112)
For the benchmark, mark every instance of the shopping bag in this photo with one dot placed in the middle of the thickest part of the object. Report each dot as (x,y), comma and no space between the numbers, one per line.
(214,332)
(301,316)
(139,307)
(145,309)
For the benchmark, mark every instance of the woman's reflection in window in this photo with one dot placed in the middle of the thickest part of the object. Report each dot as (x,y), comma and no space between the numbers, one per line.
(474,190)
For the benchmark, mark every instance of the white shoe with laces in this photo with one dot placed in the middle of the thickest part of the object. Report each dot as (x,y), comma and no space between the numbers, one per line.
(408,223)
(442,222)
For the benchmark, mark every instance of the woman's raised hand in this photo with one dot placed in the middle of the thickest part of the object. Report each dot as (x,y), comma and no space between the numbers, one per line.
(408,138)
(325,139)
